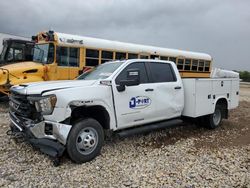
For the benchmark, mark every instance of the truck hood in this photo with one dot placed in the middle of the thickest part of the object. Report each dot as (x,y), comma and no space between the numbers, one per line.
(37,88)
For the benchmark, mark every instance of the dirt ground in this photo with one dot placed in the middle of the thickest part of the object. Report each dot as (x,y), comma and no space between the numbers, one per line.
(185,156)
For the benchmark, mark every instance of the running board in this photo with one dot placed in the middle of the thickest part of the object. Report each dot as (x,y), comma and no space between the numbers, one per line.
(149,127)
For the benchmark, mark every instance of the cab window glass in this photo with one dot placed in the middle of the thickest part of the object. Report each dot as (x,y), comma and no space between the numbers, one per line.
(10,54)
(15,54)
(44,53)
(137,65)
(162,72)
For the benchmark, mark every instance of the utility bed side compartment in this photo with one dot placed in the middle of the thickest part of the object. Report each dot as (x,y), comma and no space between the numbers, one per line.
(202,94)
(189,97)
(227,88)
(235,93)
(197,97)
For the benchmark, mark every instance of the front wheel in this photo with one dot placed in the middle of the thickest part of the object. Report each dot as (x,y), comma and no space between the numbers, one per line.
(214,120)
(85,140)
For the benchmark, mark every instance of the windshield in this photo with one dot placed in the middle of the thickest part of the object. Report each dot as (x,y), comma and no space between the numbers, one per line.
(100,72)
(44,53)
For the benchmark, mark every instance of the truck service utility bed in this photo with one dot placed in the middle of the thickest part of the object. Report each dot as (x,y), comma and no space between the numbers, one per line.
(201,94)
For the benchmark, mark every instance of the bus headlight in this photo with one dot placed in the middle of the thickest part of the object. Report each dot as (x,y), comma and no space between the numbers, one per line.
(46,104)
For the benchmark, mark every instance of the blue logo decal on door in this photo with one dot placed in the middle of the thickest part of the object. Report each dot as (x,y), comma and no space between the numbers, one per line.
(139,102)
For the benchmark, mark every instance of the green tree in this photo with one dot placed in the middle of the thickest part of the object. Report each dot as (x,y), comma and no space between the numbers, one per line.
(245,76)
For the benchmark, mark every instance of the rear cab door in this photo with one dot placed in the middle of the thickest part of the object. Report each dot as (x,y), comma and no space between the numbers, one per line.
(167,88)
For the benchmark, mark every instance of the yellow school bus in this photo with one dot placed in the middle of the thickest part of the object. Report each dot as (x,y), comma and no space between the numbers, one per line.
(59,56)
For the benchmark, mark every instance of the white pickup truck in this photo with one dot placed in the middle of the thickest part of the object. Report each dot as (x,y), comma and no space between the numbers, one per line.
(123,96)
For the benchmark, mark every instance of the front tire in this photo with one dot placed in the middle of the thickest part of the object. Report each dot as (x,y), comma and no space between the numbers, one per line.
(85,140)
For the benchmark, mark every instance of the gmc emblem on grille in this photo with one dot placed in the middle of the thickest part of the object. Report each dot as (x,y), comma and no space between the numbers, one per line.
(13,105)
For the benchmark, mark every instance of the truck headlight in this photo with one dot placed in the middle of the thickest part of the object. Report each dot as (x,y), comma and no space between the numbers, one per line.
(46,104)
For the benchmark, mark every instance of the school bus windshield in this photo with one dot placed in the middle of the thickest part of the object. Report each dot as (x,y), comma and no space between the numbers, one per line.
(44,53)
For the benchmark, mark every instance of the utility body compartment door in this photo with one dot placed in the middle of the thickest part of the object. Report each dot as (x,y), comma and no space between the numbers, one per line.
(235,93)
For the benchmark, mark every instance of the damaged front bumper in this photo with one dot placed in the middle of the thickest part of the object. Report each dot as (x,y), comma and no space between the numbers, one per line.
(49,137)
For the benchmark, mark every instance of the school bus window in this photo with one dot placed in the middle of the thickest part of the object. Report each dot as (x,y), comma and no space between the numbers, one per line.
(143,57)
(164,58)
(194,65)
(120,55)
(132,56)
(73,57)
(62,56)
(201,65)
(172,59)
(92,57)
(180,64)
(106,56)
(187,64)
(154,57)
(207,66)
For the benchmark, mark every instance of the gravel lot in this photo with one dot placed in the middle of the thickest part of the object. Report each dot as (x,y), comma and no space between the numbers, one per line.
(186,156)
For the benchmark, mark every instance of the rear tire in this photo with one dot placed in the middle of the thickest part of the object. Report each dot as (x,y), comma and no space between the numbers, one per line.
(213,121)
(85,140)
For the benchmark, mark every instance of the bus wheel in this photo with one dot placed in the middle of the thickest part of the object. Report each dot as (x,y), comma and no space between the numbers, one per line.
(214,120)
(85,140)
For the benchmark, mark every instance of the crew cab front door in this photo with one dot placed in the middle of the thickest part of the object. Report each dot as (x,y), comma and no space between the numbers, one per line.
(135,105)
